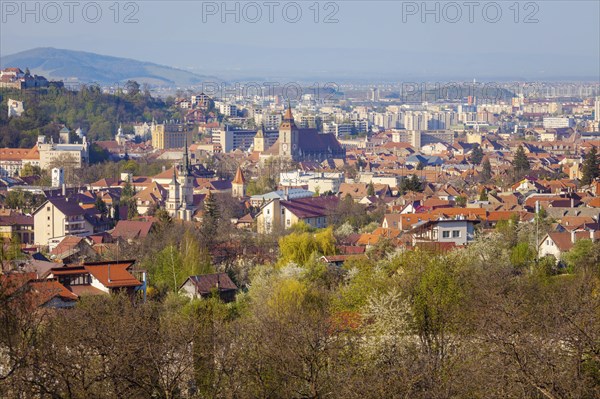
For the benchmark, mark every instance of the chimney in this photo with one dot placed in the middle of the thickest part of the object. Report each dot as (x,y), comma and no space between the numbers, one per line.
(572,202)
(64,190)
(592,235)
(573,236)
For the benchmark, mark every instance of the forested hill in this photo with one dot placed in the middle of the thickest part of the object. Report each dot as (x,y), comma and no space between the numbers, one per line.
(97,113)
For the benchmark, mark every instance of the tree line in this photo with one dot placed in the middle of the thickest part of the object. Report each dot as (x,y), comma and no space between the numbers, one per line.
(487,321)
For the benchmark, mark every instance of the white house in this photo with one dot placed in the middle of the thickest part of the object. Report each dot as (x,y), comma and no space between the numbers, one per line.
(457,231)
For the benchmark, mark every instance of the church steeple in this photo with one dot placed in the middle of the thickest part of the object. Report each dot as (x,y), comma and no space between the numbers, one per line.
(288,117)
(238,185)
(186,160)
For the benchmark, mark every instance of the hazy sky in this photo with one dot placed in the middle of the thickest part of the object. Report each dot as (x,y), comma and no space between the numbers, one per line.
(363,39)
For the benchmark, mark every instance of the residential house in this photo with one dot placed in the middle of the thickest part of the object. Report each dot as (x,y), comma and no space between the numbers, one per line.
(71,249)
(558,243)
(17,224)
(458,231)
(132,229)
(203,286)
(98,278)
(36,293)
(278,214)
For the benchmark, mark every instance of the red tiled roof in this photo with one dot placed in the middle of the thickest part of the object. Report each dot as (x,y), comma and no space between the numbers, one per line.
(130,229)
(45,290)
(118,272)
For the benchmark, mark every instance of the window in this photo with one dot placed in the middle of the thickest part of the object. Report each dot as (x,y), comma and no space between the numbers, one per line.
(455,233)
(445,234)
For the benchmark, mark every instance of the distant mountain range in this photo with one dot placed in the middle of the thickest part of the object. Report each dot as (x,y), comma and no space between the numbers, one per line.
(84,67)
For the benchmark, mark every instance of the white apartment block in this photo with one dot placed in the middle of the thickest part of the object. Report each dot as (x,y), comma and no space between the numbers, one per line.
(557,123)
(59,217)
(74,155)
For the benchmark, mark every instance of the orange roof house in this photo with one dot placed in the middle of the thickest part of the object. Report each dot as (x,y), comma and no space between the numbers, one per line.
(97,277)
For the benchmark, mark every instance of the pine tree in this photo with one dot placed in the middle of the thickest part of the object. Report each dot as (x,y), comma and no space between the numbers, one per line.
(211,216)
(590,167)
(483,195)
(476,155)
(486,173)
(371,189)
(101,206)
(520,163)
(128,191)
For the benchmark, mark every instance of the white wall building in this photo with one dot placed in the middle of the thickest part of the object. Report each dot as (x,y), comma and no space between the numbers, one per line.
(559,122)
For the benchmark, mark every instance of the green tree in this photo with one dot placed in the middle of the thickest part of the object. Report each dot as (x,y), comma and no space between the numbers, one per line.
(486,172)
(29,170)
(476,155)
(211,217)
(522,256)
(371,189)
(101,206)
(585,255)
(298,247)
(132,87)
(461,201)
(520,163)
(591,167)
(127,192)
(483,196)
(132,210)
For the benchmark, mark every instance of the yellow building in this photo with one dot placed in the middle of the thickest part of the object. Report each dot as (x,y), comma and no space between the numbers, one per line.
(165,136)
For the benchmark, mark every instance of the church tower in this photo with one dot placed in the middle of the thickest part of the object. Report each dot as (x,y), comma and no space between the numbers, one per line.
(288,135)
(186,181)
(259,140)
(173,198)
(238,185)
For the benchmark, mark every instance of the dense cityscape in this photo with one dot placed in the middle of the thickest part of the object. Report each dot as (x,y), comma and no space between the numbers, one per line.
(215,232)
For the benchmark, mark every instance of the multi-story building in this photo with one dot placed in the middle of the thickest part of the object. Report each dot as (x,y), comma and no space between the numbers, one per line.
(201,100)
(68,155)
(279,215)
(228,109)
(15,78)
(597,109)
(231,139)
(418,138)
(17,224)
(59,217)
(171,135)
(339,129)
(306,121)
(559,122)
(12,160)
